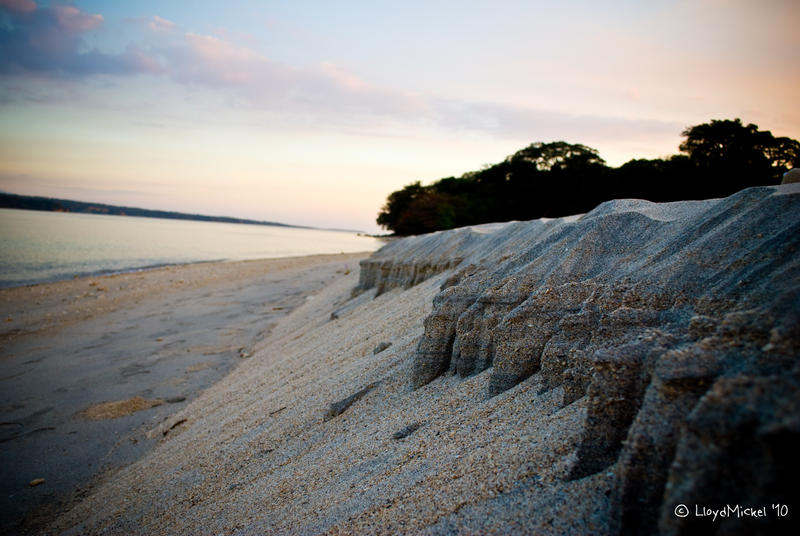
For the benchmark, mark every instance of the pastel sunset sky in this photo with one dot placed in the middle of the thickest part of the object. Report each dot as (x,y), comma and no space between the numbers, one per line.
(312,112)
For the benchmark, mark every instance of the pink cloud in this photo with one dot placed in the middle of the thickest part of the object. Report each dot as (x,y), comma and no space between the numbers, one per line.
(49,41)
(326,89)
(229,35)
(215,61)
(18,6)
(135,59)
(159,24)
(343,78)
(153,23)
(73,20)
(215,50)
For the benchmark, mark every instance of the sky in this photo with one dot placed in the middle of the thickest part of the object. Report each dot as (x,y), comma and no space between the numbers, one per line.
(312,112)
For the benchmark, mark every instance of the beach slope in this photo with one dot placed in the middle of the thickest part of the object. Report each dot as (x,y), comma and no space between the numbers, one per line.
(90,365)
(583,375)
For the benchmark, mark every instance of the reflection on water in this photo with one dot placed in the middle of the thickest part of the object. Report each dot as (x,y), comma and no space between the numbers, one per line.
(45,246)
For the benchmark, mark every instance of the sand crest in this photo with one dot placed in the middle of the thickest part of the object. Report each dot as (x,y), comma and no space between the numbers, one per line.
(574,376)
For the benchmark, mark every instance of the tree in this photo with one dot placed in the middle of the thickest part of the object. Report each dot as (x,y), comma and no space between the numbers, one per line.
(559,178)
(658,180)
(557,155)
(719,141)
(732,156)
(783,153)
(396,204)
(429,211)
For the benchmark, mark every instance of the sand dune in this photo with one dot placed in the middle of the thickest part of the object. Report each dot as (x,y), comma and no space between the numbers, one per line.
(582,375)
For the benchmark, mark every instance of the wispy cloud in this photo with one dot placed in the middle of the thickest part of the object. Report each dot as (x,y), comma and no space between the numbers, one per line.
(323,90)
(50,41)
(18,6)
(153,24)
(159,24)
(503,120)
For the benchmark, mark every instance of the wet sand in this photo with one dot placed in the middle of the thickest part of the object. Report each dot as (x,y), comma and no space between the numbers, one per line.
(89,366)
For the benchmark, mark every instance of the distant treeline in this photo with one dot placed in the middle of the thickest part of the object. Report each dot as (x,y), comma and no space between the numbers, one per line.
(559,179)
(25,202)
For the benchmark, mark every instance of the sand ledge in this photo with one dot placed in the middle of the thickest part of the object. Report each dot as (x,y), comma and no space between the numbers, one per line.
(698,349)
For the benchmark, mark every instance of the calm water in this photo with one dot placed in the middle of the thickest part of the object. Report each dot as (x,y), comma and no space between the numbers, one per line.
(47,246)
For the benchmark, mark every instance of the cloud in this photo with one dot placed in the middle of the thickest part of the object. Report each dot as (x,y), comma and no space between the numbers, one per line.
(213,61)
(153,24)
(321,90)
(133,60)
(18,6)
(343,78)
(330,95)
(508,121)
(158,24)
(49,41)
(72,20)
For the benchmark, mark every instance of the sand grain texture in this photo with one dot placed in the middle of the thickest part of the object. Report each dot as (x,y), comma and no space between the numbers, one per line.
(574,376)
(119,408)
(91,365)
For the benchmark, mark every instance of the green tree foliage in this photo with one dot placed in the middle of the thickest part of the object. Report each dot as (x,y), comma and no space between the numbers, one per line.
(559,178)
(396,207)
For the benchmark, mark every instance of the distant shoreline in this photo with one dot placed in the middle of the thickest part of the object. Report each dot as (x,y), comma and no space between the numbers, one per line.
(51,204)
(104,273)
(44,246)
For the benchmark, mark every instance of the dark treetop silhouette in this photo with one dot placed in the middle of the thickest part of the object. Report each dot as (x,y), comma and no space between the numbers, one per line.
(558,179)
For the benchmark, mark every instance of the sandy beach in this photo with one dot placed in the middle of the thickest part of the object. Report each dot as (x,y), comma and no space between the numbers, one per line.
(282,446)
(579,375)
(90,365)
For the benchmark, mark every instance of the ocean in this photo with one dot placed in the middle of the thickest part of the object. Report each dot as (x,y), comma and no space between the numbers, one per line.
(37,247)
